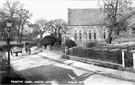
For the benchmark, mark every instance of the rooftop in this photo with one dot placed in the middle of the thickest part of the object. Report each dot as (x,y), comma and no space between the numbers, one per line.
(91,16)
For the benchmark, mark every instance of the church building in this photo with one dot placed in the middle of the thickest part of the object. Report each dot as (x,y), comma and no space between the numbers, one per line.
(86,25)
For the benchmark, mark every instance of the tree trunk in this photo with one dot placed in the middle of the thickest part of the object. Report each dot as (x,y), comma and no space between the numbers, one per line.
(41,35)
(118,32)
(109,39)
(21,34)
(22,31)
(19,26)
(18,37)
(21,38)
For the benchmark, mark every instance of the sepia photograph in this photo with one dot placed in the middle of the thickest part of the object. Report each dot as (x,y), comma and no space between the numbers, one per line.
(67,42)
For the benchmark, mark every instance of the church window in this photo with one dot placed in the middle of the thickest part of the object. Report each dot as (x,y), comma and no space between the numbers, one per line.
(75,35)
(104,34)
(133,30)
(94,35)
(89,34)
(80,35)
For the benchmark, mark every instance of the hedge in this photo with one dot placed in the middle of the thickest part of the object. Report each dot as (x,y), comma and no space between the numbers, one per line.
(104,55)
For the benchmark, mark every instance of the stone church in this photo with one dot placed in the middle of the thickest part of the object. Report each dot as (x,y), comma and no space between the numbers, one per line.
(87,25)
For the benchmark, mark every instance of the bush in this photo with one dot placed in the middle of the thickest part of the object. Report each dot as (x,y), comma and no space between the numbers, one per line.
(70,43)
(57,43)
(92,44)
(48,40)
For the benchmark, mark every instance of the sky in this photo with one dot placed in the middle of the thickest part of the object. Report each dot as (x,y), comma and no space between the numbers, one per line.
(53,9)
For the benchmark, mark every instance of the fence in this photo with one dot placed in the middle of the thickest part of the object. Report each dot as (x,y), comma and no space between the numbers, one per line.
(113,56)
(128,57)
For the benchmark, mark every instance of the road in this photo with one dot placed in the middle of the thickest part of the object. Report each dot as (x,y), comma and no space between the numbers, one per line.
(38,69)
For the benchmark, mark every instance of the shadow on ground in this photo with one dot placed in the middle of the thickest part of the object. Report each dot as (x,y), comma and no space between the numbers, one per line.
(9,77)
(54,73)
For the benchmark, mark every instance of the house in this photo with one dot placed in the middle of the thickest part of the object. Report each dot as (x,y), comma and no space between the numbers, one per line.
(45,33)
(86,25)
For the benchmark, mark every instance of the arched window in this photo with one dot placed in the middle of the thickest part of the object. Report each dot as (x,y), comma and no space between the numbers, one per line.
(89,34)
(133,30)
(94,34)
(75,35)
(80,35)
(104,34)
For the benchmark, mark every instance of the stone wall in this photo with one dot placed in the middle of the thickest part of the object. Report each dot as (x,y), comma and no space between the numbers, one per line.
(85,30)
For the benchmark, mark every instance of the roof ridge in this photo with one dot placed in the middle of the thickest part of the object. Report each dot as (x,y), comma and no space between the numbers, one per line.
(82,8)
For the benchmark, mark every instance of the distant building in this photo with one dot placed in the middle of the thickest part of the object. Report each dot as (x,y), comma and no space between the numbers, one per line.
(44,34)
(86,25)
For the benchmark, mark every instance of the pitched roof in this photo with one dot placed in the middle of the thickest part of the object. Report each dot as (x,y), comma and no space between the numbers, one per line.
(85,16)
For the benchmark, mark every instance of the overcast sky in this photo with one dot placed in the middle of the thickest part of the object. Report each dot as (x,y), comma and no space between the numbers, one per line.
(53,9)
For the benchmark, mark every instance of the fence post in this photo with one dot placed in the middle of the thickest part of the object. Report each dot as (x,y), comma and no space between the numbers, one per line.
(48,47)
(134,60)
(66,50)
(123,58)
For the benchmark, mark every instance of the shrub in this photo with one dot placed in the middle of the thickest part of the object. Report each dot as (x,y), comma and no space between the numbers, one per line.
(57,43)
(70,43)
(91,44)
(48,40)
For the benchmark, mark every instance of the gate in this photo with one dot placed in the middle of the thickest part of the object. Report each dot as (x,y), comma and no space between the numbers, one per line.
(128,59)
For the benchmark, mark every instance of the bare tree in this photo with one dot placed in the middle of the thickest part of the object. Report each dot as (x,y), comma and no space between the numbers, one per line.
(117,12)
(18,14)
(2,15)
(41,26)
(23,16)
(2,22)
(59,27)
(8,11)
(11,8)
(35,31)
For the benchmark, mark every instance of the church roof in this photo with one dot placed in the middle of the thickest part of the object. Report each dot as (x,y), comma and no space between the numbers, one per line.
(84,17)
